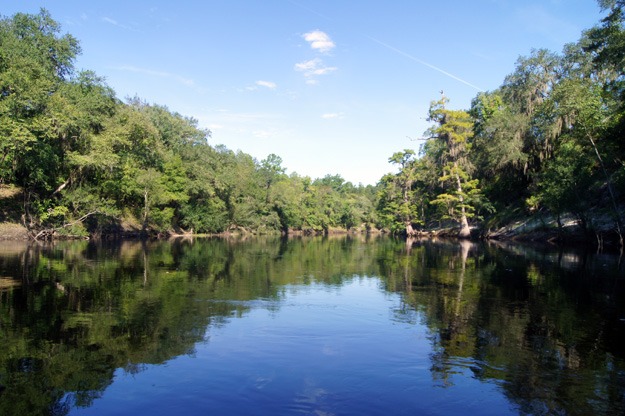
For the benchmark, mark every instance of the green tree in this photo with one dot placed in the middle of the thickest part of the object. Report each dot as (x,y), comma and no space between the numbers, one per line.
(35,61)
(287,198)
(498,148)
(586,119)
(271,171)
(397,196)
(454,128)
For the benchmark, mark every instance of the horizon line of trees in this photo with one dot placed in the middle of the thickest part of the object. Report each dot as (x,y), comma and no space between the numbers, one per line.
(549,140)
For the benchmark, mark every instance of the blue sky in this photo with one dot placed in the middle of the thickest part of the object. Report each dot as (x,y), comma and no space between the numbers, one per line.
(332,87)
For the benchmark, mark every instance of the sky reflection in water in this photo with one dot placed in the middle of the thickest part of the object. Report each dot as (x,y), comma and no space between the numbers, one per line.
(335,326)
(319,350)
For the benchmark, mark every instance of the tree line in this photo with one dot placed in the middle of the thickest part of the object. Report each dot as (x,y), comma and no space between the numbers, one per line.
(548,141)
(86,162)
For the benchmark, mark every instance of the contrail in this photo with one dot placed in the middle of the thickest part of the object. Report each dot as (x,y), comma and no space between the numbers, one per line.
(386,45)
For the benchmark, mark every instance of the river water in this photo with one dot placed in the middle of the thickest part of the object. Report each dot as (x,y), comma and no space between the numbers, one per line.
(310,326)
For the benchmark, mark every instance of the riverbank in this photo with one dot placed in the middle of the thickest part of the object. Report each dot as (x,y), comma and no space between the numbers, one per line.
(12,231)
(600,230)
(527,229)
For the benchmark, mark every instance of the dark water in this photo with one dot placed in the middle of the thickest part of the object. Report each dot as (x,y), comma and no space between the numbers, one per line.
(340,326)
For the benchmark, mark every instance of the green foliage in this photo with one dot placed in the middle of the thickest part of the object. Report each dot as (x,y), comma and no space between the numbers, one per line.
(79,154)
(549,137)
(459,200)
(34,63)
(461,194)
(551,134)
(563,178)
(398,198)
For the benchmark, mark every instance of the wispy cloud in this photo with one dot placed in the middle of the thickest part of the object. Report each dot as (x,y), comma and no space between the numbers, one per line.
(407,55)
(162,74)
(117,24)
(267,84)
(258,125)
(319,41)
(332,116)
(77,22)
(262,84)
(314,68)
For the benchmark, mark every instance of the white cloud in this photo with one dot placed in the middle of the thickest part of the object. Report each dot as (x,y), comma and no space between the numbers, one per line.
(324,70)
(319,40)
(267,84)
(307,65)
(313,68)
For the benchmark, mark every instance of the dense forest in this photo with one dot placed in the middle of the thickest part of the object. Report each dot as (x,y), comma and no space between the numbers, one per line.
(76,160)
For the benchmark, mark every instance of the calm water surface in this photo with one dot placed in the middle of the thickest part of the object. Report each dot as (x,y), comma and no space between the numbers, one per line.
(338,326)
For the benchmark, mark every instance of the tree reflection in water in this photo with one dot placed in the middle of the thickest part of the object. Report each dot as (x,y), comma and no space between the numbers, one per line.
(546,326)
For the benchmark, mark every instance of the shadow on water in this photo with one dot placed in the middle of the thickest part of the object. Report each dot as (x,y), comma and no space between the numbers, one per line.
(545,326)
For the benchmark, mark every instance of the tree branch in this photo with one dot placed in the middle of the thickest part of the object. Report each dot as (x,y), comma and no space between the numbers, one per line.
(50,231)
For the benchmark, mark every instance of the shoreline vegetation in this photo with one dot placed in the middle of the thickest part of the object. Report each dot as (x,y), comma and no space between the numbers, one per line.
(541,158)
(540,230)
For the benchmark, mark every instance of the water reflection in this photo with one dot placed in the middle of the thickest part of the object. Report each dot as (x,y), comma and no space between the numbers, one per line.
(546,327)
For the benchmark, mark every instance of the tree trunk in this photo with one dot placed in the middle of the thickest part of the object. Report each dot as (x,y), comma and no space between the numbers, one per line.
(409,230)
(408,220)
(465,231)
(146,208)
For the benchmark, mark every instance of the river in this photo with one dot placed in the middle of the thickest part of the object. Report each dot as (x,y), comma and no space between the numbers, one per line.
(310,326)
